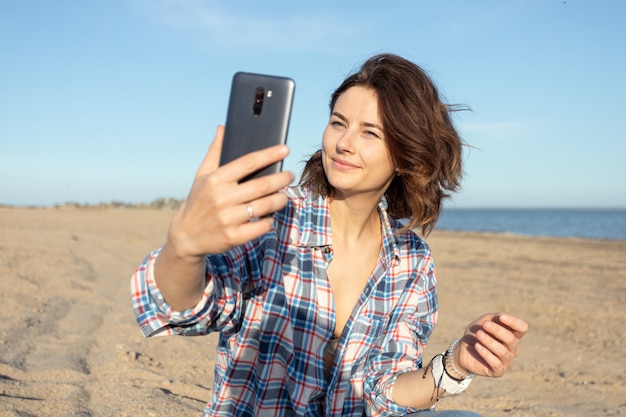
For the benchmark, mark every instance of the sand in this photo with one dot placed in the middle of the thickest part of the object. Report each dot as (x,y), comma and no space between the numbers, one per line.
(69,345)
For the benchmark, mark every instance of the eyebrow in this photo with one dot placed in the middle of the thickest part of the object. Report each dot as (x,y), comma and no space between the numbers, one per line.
(365,124)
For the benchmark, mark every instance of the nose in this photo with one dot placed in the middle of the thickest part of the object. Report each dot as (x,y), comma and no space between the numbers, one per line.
(346,142)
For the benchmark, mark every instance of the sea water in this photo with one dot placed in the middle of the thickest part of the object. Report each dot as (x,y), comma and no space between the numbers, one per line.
(585,223)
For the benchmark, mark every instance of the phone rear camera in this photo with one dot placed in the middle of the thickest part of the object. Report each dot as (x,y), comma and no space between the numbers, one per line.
(259,96)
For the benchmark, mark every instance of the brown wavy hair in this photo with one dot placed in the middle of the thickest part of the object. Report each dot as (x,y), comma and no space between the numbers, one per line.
(422,141)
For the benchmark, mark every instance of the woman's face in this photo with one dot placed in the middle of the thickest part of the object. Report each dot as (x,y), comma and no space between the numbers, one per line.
(354,153)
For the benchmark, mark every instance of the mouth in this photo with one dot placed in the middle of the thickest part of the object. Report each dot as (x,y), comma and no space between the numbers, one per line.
(342,164)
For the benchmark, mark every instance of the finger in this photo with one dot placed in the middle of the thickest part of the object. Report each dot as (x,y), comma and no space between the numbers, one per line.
(262,207)
(499,332)
(500,341)
(231,236)
(493,362)
(260,187)
(252,230)
(211,159)
(232,203)
(245,165)
(517,325)
(241,207)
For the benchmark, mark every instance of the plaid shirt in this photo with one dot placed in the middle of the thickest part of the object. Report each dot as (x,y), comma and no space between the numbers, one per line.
(271,301)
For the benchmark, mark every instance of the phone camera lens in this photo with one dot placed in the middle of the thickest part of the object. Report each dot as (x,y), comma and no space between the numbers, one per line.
(259,95)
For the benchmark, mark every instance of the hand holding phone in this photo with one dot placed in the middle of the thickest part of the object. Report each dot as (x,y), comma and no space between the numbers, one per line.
(216,214)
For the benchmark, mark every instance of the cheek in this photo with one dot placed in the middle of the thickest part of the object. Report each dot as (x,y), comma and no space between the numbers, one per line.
(380,158)
(328,146)
(326,141)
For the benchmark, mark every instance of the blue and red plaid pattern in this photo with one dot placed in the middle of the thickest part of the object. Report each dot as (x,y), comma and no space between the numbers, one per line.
(271,301)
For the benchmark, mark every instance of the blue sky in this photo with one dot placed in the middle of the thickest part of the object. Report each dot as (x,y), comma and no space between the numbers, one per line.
(106,100)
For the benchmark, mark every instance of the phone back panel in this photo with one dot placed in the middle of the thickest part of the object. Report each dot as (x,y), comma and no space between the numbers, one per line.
(258,116)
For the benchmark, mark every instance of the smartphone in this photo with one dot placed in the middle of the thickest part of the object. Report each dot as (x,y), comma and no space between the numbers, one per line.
(259,110)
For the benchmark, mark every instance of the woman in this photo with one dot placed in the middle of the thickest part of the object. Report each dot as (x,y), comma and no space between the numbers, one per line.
(325,304)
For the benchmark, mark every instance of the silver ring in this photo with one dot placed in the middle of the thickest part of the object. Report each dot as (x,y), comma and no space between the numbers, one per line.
(250,212)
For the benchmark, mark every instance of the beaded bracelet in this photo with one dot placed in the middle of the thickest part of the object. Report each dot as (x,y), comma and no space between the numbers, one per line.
(450,366)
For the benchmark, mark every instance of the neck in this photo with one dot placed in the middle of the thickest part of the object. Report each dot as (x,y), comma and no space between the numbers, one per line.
(353,220)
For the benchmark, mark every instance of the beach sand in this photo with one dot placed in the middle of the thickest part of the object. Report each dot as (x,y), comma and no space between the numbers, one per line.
(69,345)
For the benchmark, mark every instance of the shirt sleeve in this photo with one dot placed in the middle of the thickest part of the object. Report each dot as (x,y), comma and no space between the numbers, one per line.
(229,278)
(402,342)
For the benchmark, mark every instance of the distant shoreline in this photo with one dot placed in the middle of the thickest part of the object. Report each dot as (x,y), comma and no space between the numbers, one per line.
(603,224)
(173,204)
(159,203)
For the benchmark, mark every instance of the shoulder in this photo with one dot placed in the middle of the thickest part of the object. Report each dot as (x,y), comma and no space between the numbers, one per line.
(297,194)
(291,215)
(302,200)
(408,242)
(411,250)
(297,197)
(409,237)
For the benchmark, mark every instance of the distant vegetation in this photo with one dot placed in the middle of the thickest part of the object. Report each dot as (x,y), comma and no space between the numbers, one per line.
(159,203)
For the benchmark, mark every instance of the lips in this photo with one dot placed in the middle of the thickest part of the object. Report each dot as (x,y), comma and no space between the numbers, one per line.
(343,164)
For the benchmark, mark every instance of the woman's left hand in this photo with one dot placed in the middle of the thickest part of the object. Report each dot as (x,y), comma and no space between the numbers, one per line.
(490,344)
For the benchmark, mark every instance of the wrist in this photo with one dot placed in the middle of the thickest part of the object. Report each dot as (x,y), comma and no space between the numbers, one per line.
(444,381)
(177,253)
(450,362)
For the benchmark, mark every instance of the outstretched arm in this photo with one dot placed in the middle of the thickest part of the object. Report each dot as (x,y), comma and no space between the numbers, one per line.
(487,348)
(215,217)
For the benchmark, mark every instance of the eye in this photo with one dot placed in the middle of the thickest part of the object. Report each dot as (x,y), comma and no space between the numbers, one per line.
(336,123)
(372,134)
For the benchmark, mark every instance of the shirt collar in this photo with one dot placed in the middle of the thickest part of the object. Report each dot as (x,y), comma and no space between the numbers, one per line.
(315,228)
(315,221)
(391,252)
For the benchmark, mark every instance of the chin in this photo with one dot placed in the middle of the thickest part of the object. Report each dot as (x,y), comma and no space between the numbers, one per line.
(339,183)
